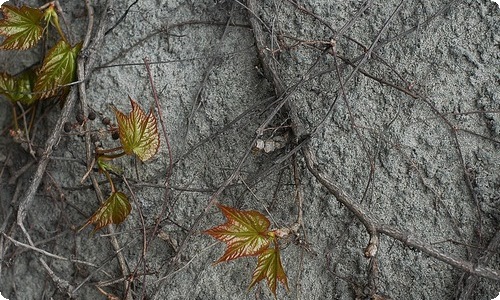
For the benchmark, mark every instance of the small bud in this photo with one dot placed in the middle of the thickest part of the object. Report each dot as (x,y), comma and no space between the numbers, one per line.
(67,127)
(106,121)
(92,115)
(282,232)
(80,118)
(115,135)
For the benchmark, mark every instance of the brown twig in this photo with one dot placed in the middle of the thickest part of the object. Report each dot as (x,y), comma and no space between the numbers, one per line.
(375,227)
(46,253)
(472,280)
(361,215)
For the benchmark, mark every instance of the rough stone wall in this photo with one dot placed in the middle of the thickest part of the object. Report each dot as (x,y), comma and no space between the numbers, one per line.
(400,109)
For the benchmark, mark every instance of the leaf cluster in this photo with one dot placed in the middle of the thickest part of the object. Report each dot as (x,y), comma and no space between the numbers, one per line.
(23,28)
(138,133)
(246,233)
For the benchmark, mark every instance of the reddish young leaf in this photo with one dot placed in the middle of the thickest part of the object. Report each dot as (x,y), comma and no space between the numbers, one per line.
(22,26)
(58,69)
(245,233)
(138,132)
(112,211)
(269,266)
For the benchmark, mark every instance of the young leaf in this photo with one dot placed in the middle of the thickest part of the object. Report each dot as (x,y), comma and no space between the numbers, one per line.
(104,165)
(138,132)
(50,16)
(112,211)
(269,266)
(245,233)
(18,88)
(58,69)
(22,26)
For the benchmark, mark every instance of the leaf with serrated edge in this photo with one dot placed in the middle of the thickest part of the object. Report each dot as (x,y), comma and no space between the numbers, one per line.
(22,26)
(138,132)
(18,88)
(112,211)
(58,69)
(245,233)
(269,266)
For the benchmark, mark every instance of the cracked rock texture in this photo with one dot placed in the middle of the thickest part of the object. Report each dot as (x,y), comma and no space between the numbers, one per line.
(428,165)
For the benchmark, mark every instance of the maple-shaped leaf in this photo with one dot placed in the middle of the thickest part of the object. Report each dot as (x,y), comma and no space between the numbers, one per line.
(245,233)
(113,211)
(138,132)
(58,69)
(18,88)
(269,266)
(22,27)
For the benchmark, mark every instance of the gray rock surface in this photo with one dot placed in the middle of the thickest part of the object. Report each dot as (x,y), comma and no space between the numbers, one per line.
(412,136)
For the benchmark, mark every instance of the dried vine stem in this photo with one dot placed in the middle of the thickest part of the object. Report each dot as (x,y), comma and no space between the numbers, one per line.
(36,179)
(271,72)
(53,140)
(375,227)
(358,211)
(85,63)
(46,253)
(55,135)
(471,280)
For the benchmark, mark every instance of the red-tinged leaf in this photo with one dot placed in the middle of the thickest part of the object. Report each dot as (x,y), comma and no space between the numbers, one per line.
(269,266)
(22,27)
(138,132)
(18,88)
(58,69)
(112,211)
(245,233)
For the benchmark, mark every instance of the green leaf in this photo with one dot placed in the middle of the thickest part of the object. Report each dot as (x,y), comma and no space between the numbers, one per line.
(112,211)
(18,88)
(245,233)
(104,165)
(50,16)
(269,266)
(58,69)
(22,27)
(138,132)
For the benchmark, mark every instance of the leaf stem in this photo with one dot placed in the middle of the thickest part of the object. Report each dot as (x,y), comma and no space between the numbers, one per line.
(14,113)
(113,189)
(113,156)
(104,151)
(52,18)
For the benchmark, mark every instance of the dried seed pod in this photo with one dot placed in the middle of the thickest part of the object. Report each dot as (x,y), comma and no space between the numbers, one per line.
(91,115)
(106,121)
(115,135)
(67,127)
(80,118)
(269,145)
